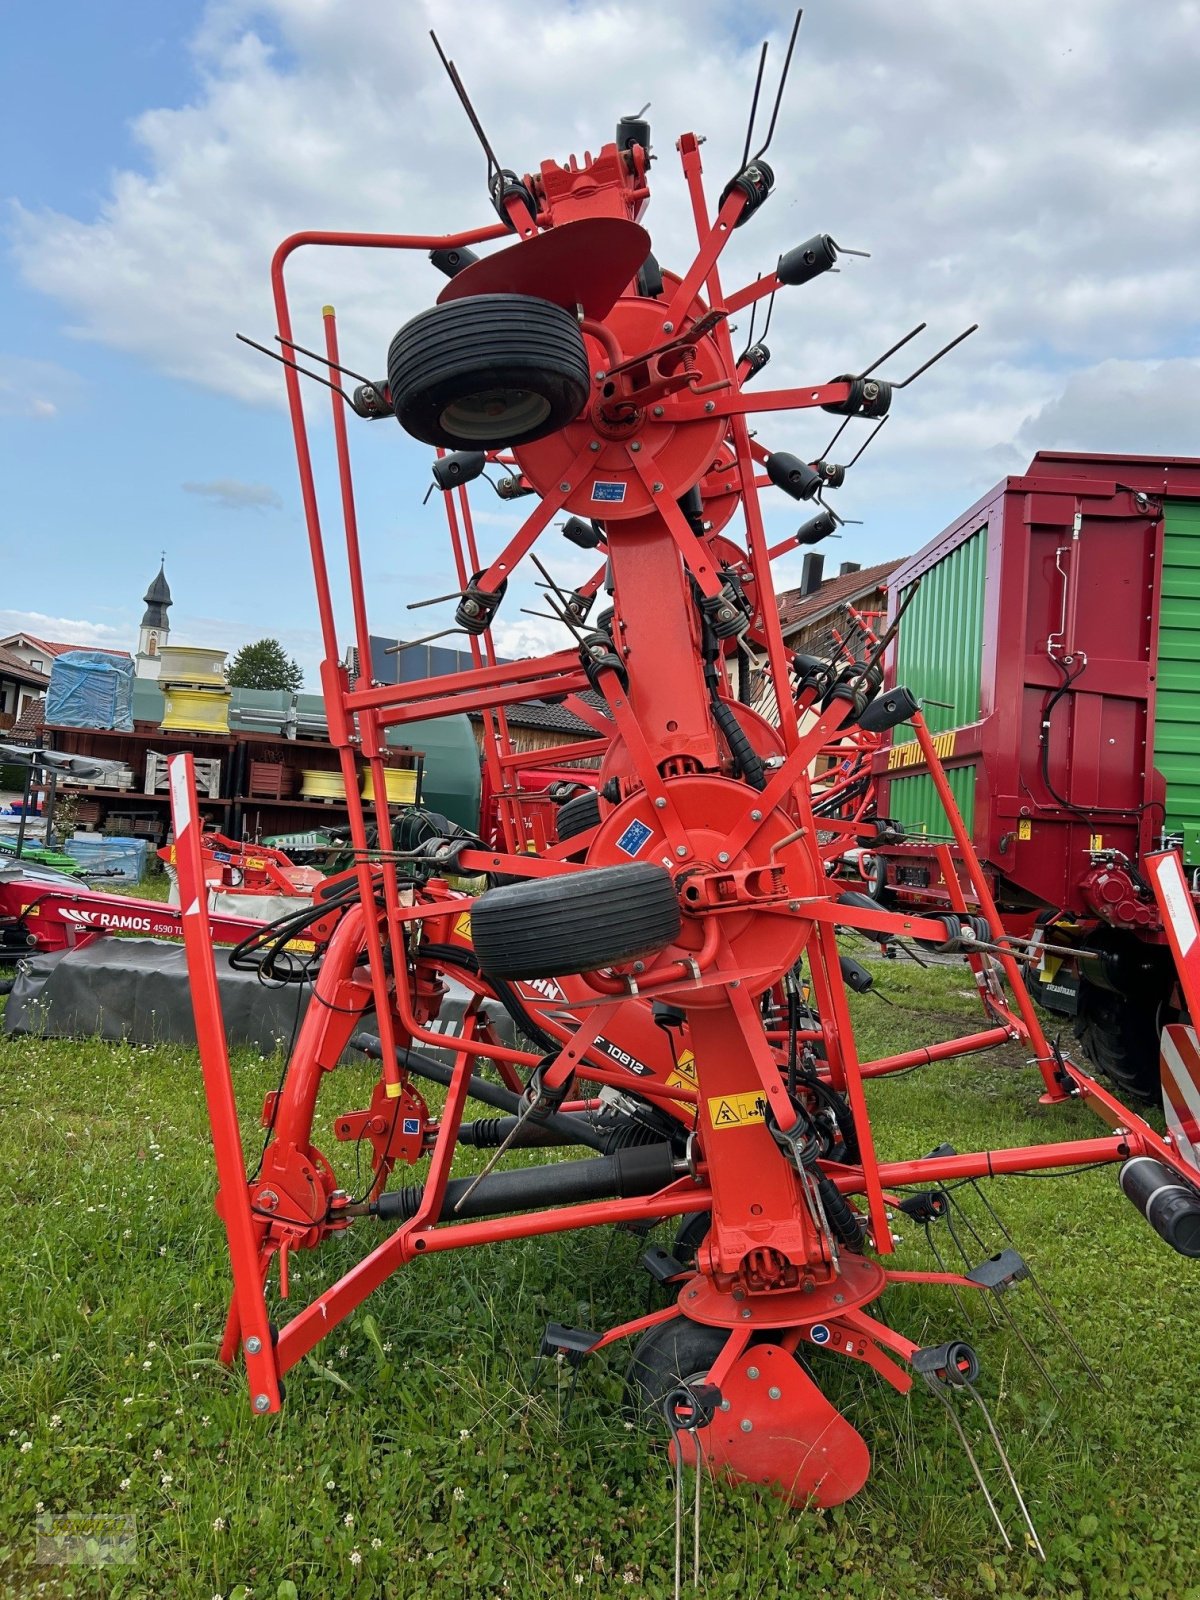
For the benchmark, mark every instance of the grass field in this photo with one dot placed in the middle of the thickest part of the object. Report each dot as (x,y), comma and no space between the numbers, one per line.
(422,1450)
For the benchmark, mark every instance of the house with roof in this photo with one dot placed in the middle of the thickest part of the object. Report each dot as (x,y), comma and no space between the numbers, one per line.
(21,683)
(823,609)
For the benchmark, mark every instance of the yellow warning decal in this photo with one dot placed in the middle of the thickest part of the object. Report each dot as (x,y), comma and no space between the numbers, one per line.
(306,945)
(736,1110)
(255,863)
(684,1076)
(1024,829)
(463,926)
(911,754)
(1097,842)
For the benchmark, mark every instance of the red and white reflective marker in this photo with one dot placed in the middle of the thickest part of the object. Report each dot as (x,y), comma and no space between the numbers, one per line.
(1180,1067)
(1178,910)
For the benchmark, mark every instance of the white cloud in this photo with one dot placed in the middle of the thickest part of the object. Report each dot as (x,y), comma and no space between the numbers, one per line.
(35,388)
(232,495)
(1030,168)
(66,630)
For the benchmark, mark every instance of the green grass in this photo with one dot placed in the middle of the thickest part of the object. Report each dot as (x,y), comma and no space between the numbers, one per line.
(423,1439)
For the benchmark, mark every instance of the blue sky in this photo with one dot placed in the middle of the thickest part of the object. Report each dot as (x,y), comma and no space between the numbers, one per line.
(1035,175)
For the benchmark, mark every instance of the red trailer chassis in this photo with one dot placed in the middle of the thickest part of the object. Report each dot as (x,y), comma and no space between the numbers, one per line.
(710,813)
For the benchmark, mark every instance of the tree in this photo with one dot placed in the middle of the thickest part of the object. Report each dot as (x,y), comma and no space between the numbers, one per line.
(264,665)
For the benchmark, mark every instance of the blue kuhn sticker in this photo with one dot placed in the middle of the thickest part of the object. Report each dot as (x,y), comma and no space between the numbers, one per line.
(412,1125)
(609,491)
(819,1333)
(634,838)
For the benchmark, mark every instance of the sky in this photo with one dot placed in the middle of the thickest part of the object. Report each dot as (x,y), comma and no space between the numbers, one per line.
(1028,167)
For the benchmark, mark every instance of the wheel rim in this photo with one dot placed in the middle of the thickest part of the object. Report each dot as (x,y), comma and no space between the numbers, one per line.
(479,415)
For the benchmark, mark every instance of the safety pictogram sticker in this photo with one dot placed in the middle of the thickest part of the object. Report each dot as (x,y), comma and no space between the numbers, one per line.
(463,926)
(736,1110)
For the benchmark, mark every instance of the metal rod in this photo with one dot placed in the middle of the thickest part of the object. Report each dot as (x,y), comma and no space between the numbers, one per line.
(317,356)
(899,345)
(783,77)
(762,61)
(460,90)
(873,434)
(945,351)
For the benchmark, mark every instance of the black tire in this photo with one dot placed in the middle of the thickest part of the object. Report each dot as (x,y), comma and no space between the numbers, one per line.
(549,927)
(578,815)
(489,370)
(690,1235)
(1121,1038)
(675,1352)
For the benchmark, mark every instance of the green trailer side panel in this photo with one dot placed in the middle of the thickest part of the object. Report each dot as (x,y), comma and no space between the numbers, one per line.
(452,774)
(1177,706)
(913,801)
(940,647)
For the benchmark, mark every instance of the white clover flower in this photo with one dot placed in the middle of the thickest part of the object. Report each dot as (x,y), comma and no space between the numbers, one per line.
(146,1366)
(343,1351)
(26,1447)
(218,1524)
(56,1421)
(166,1480)
(331,1484)
(348,1520)
(57,1356)
(376,1544)
(125,1482)
(157,1456)
(459,1493)
(356,1558)
(464,1433)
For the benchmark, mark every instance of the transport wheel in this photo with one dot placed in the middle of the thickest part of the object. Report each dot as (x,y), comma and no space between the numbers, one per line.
(675,1352)
(489,370)
(548,927)
(578,815)
(1121,1038)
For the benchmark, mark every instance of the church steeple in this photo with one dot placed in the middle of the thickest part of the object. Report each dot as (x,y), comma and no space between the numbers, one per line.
(155,626)
(158,599)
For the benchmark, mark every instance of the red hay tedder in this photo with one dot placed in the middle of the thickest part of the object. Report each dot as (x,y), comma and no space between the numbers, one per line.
(672,961)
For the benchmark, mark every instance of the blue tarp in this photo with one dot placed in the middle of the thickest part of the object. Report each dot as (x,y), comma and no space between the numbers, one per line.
(91,689)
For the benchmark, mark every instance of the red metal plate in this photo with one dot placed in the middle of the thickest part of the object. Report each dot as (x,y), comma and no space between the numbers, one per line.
(586,263)
(858,1282)
(780,1430)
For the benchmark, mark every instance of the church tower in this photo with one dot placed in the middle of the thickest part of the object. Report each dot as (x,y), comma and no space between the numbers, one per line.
(155,627)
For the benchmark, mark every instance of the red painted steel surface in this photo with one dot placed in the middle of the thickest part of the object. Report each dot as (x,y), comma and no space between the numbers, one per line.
(749,857)
(1095,598)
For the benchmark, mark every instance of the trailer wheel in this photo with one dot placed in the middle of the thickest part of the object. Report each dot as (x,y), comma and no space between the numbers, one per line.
(1121,1039)
(548,927)
(489,370)
(578,815)
(672,1353)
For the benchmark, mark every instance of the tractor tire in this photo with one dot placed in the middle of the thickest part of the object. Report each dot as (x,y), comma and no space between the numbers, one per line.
(578,815)
(1121,1039)
(672,1353)
(549,927)
(487,371)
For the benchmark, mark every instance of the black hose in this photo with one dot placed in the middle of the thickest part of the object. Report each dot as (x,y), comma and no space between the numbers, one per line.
(745,758)
(643,1170)
(843,1218)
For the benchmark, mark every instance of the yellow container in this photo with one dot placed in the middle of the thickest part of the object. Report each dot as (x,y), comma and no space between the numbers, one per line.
(318,783)
(401,786)
(196,710)
(183,663)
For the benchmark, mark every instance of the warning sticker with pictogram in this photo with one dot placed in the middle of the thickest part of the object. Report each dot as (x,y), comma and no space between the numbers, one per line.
(463,926)
(684,1076)
(736,1110)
